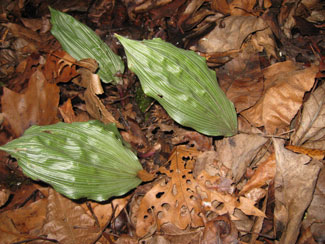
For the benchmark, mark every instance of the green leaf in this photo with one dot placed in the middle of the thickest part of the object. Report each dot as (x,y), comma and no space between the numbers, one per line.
(82,159)
(81,42)
(183,84)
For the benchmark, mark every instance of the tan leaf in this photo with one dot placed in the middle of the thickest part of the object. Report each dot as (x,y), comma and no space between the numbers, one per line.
(172,199)
(295,182)
(230,33)
(312,124)
(67,222)
(4,196)
(313,153)
(237,152)
(242,8)
(285,86)
(69,116)
(264,173)
(38,105)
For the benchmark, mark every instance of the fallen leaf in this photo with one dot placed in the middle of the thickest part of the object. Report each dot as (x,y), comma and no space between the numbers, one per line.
(313,153)
(315,215)
(264,173)
(172,199)
(4,196)
(285,86)
(69,116)
(60,67)
(37,106)
(237,152)
(242,8)
(296,172)
(312,124)
(67,222)
(230,33)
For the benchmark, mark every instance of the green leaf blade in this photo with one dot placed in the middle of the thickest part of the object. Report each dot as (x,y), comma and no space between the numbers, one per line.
(81,42)
(183,84)
(82,159)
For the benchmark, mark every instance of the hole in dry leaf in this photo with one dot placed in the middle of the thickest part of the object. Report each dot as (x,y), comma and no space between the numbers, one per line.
(159,194)
(145,216)
(220,206)
(193,198)
(161,96)
(174,190)
(215,204)
(201,193)
(171,171)
(184,210)
(188,182)
(189,190)
(185,159)
(183,176)
(160,215)
(166,206)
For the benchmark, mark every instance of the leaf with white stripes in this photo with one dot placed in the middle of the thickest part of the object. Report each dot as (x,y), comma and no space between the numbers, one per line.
(80,160)
(81,42)
(183,84)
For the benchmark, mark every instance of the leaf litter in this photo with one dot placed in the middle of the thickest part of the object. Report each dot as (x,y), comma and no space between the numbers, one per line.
(265,184)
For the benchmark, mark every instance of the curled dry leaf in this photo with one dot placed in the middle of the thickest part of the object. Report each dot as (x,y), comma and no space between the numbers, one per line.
(298,172)
(38,105)
(69,116)
(237,152)
(4,196)
(264,173)
(312,124)
(285,86)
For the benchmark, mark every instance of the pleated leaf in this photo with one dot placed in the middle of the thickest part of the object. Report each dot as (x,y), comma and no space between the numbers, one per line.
(183,84)
(81,42)
(80,160)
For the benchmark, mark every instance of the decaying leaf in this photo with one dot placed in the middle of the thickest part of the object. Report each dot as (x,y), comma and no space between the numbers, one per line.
(37,106)
(312,125)
(285,86)
(313,153)
(296,172)
(264,173)
(69,115)
(237,152)
(62,215)
(179,198)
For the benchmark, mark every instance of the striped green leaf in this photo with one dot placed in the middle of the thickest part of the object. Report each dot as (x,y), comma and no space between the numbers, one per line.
(81,42)
(183,84)
(82,159)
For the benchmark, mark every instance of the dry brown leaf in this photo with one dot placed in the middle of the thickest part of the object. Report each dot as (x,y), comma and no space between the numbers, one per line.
(37,106)
(264,173)
(313,153)
(221,6)
(4,196)
(67,222)
(179,198)
(315,216)
(312,124)
(94,105)
(230,33)
(285,86)
(220,230)
(295,181)
(23,223)
(237,152)
(172,200)
(69,115)
(59,67)
(104,211)
(242,8)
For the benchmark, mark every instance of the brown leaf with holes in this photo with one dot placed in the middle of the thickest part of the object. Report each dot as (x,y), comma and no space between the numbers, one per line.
(285,86)
(179,198)
(263,174)
(37,106)
(172,199)
(60,67)
(312,125)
